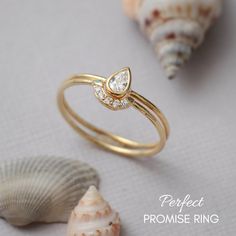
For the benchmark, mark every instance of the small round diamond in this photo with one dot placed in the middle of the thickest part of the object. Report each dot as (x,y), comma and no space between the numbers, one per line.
(116,103)
(124,102)
(99,92)
(97,88)
(108,100)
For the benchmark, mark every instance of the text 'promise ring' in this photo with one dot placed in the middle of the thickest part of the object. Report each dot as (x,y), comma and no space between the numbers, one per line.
(115,93)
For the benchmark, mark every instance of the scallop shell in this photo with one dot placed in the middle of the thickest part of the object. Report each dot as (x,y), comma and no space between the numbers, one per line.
(175,27)
(42,189)
(93,217)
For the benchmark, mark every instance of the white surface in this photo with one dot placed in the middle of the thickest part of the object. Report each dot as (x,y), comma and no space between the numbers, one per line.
(43,42)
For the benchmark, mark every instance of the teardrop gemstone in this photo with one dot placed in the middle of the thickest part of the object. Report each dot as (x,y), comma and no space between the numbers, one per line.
(119,82)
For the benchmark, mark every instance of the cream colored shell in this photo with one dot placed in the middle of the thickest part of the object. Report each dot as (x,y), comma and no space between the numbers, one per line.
(175,27)
(42,189)
(93,217)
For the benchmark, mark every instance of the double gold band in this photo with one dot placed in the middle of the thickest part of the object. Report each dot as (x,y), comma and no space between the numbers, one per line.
(103,138)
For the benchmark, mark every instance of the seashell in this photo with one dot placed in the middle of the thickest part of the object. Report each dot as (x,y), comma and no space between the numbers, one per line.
(131,7)
(175,27)
(93,217)
(42,189)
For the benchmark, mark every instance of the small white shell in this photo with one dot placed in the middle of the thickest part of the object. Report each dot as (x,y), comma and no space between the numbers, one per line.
(42,189)
(93,217)
(175,27)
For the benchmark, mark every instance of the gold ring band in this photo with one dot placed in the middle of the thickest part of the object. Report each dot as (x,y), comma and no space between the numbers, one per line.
(114,93)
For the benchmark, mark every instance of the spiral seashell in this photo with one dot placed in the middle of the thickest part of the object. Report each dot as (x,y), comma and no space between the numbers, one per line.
(175,27)
(42,189)
(93,217)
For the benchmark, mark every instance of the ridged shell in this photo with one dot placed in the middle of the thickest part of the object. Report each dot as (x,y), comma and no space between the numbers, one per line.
(93,217)
(175,27)
(42,189)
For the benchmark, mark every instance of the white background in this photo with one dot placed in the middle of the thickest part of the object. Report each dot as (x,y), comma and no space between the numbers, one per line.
(44,42)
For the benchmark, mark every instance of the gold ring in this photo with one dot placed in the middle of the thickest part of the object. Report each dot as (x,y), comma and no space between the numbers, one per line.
(115,93)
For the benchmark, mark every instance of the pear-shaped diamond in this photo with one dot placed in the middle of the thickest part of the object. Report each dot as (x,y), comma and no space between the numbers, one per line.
(119,83)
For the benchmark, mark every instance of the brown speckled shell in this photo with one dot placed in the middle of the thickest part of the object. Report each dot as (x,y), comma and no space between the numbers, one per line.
(174,27)
(93,216)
